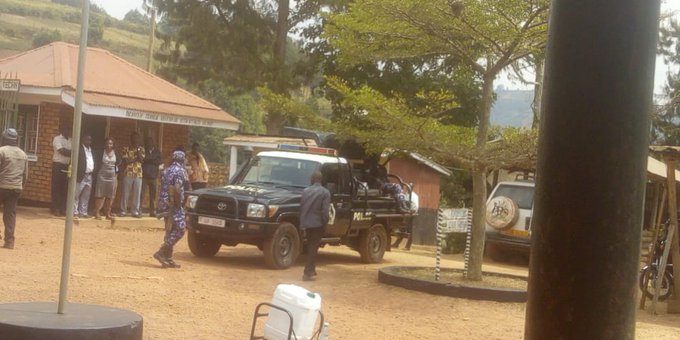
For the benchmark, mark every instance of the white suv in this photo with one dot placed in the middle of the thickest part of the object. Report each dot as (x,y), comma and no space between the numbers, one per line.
(508,217)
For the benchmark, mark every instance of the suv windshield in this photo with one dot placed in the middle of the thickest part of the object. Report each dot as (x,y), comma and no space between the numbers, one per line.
(282,171)
(523,195)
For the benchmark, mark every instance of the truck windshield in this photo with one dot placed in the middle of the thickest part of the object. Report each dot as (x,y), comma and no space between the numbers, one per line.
(281,171)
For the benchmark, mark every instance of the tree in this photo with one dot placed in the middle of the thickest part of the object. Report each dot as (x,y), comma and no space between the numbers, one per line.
(45,36)
(95,32)
(242,43)
(487,36)
(665,130)
(136,17)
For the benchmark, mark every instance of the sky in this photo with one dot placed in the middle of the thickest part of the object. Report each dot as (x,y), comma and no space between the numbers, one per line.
(118,8)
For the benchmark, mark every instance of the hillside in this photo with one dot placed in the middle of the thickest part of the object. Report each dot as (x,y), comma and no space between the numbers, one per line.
(512,108)
(21,19)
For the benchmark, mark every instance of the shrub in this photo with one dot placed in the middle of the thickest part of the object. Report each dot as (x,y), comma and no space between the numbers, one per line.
(45,36)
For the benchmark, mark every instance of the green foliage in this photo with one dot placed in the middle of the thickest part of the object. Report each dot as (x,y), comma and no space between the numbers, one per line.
(95,32)
(456,190)
(291,112)
(243,106)
(22,19)
(44,37)
(454,243)
(381,122)
(72,3)
(136,17)
(240,43)
(665,127)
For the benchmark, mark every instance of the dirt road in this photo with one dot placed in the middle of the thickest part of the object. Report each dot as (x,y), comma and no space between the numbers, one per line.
(215,298)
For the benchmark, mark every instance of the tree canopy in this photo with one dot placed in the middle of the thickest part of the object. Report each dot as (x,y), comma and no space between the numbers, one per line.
(665,128)
(483,36)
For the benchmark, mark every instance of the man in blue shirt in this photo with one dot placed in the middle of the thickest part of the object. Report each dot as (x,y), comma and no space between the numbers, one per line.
(314,214)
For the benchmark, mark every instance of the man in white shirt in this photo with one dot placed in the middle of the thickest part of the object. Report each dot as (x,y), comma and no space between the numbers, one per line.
(60,162)
(84,178)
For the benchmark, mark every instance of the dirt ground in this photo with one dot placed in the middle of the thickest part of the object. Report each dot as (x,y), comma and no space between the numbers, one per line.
(215,298)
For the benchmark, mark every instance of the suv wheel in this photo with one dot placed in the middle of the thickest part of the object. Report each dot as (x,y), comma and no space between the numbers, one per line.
(372,244)
(202,246)
(283,248)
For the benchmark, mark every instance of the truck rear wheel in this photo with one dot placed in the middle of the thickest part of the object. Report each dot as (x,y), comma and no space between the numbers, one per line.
(283,248)
(372,244)
(201,246)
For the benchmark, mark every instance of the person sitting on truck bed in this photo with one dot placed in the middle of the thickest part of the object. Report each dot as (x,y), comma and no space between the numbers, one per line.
(376,177)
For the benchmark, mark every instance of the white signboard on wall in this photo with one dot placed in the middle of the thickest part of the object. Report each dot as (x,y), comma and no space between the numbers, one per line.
(10,85)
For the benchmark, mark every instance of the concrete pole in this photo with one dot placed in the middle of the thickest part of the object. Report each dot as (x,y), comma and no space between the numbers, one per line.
(592,160)
(77,117)
(152,36)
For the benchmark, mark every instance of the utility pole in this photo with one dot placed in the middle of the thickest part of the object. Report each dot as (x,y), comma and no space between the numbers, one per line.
(592,162)
(152,36)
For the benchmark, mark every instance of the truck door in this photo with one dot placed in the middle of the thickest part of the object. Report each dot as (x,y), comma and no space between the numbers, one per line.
(337,179)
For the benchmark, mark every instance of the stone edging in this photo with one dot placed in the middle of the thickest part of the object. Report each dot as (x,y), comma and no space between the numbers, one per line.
(389,275)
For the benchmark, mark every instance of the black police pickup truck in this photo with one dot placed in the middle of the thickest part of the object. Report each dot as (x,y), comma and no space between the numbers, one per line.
(261,207)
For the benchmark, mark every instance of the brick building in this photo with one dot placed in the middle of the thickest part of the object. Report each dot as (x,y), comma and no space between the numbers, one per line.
(118,98)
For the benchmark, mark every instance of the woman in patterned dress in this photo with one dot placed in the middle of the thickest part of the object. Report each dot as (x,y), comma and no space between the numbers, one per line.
(107,180)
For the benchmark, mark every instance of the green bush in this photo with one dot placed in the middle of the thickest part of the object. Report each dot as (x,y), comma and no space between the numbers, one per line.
(44,37)
(454,243)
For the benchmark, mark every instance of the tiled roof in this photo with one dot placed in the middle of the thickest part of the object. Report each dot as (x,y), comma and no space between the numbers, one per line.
(110,81)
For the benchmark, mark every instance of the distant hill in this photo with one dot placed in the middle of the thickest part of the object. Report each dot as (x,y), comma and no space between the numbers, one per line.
(21,19)
(512,108)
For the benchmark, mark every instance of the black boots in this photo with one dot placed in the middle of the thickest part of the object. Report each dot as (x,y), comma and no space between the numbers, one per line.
(8,245)
(164,256)
(168,258)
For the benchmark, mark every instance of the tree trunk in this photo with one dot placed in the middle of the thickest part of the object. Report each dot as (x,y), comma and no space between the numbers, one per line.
(478,224)
(479,186)
(152,35)
(485,110)
(276,120)
(538,92)
(280,46)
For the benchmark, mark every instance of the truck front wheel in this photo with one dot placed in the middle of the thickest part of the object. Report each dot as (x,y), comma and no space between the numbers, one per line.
(202,246)
(283,247)
(372,244)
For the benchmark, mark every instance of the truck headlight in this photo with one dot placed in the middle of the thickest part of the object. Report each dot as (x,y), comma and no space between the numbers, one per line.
(191,201)
(255,210)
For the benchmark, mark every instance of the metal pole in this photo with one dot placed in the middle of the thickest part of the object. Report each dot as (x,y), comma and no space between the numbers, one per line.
(438,254)
(592,158)
(77,116)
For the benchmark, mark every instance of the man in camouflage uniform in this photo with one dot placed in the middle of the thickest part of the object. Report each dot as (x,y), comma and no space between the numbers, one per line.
(174,183)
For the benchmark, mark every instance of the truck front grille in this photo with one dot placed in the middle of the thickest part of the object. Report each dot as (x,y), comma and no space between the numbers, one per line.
(218,206)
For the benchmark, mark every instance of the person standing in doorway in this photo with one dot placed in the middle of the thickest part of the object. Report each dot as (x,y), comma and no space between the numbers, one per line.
(153,159)
(133,157)
(107,180)
(60,162)
(174,184)
(84,178)
(12,177)
(199,168)
(314,214)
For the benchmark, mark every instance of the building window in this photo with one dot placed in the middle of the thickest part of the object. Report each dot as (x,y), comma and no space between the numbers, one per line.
(28,119)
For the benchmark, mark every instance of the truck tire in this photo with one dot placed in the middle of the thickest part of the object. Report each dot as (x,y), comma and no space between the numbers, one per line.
(372,244)
(201,246)
(502,213)
(283,247)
